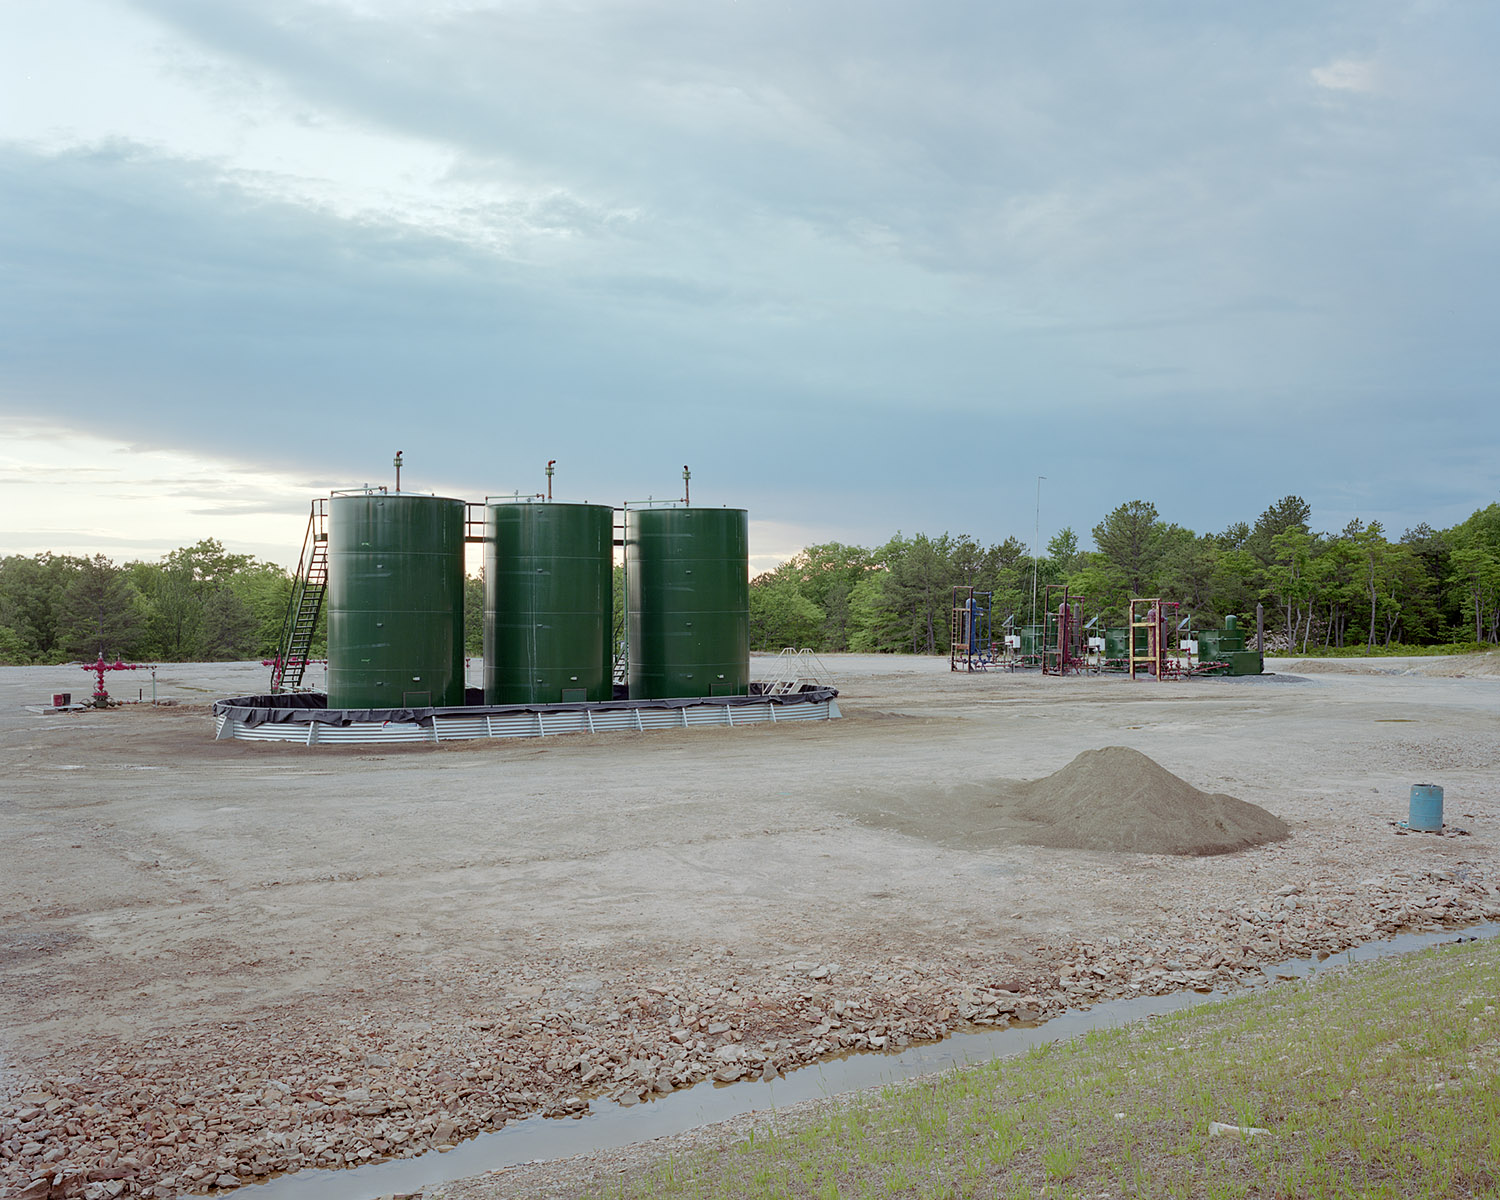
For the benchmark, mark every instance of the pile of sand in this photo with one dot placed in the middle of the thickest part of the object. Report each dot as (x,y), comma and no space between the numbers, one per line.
(1118,799)
(1437,666)
(1112,799)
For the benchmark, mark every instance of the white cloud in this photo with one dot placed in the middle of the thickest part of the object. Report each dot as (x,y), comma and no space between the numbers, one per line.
(1347,75)
(71,492)
(773,542)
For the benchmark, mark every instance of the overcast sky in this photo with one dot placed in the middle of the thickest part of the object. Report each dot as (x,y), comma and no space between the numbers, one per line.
(865,266)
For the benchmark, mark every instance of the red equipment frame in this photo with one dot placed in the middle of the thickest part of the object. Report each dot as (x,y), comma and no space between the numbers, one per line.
(100,696)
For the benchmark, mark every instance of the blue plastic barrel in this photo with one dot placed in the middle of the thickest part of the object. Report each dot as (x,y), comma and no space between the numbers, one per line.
(1426,807)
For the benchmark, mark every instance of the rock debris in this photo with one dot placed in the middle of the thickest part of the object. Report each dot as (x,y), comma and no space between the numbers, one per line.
(213,1108)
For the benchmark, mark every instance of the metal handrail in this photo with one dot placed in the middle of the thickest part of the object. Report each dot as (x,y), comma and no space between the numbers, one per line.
(316,532)
(793,669)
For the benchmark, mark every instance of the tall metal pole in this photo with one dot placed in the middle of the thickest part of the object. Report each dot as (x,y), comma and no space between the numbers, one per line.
(1036,547)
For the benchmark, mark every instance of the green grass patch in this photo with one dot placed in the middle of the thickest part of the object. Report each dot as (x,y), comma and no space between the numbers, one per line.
(1395,650)
(1381,1080)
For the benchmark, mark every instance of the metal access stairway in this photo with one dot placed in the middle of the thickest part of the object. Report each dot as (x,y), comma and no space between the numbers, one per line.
(305,604)
(793,670)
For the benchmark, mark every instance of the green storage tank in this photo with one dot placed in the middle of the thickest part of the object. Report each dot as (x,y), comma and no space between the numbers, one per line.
(548,603)
(687,602)
(395,601)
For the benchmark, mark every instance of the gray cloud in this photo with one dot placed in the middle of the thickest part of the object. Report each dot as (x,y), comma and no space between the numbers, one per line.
(888,261)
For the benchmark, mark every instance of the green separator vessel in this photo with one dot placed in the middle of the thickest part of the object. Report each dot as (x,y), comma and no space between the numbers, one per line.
(687,602)
(1117,648)
(395,601)
(1227,646)
(548,603)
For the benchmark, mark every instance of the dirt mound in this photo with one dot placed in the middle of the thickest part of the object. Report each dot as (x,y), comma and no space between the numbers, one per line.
(1438,666)
(1113,799)
(1456,666)
(1118,799)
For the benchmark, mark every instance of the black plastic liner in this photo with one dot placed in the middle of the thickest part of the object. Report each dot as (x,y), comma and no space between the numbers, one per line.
(311,708)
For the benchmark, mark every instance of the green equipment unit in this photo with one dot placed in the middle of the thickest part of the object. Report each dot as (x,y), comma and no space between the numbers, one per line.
(687,602)
(395,601)
(1244,662)
(1031,641)
(1227,646)
(1117,648)
(548,603)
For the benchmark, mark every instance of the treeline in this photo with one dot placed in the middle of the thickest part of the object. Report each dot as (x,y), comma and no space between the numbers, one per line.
(1354,587)
(198,604)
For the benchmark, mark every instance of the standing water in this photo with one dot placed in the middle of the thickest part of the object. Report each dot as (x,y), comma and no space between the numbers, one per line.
(608,1125)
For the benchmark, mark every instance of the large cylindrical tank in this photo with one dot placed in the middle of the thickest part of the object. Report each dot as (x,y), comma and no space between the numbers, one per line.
(548,603)
(395,601)
(687,579)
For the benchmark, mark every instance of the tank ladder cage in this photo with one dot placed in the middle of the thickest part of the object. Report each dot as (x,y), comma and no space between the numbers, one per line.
(970,644)
(794,670)
(1150,614)
(619,669)
(304,604)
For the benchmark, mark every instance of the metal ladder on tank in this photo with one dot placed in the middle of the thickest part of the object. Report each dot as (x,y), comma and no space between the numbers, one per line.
(619,671)
(305,604)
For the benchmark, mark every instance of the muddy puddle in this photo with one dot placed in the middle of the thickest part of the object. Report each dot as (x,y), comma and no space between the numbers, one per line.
(608,1125)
